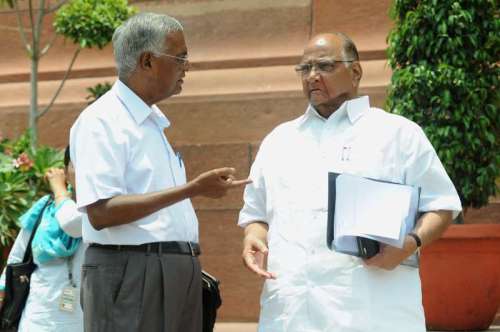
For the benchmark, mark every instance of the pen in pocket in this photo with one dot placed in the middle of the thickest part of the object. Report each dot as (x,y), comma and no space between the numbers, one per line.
(179,158)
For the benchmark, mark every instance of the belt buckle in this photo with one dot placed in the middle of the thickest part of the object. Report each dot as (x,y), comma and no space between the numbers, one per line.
(192,249)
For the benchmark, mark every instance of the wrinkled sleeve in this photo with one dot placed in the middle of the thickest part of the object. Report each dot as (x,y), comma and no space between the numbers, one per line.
(254,208)
(424,169)
(69,218)
(98,155)
(16,254)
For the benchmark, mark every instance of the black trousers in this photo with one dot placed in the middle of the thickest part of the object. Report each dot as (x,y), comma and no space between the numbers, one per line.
(126,291)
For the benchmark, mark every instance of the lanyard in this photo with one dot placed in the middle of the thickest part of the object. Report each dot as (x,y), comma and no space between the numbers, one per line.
(69,263)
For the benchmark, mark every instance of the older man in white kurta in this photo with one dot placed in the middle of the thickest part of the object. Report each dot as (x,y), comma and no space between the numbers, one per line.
(308,287)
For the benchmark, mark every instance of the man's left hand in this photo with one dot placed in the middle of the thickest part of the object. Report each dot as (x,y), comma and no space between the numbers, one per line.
(390,257)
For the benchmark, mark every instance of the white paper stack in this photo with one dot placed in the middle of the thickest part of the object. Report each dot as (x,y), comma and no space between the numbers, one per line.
(373,209)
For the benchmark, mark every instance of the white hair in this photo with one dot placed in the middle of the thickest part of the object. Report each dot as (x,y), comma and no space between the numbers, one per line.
(144,32)
(349,50)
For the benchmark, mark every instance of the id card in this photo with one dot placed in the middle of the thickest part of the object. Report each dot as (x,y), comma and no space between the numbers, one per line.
(68,299)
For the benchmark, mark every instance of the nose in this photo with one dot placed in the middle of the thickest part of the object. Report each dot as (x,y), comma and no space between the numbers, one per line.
(313,74)
(186,66)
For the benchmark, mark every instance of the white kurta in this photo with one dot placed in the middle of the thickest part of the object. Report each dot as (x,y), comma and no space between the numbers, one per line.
(318,289)
(42,313)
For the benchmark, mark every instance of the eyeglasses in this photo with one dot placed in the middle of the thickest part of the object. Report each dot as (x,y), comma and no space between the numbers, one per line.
(321,66)
(183,61)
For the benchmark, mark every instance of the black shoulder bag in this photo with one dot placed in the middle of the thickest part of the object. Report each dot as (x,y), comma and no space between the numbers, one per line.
(17,284)
(211,301)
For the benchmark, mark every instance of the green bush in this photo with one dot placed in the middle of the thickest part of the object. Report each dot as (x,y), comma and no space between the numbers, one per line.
(97,91)
(22,181)
(91,22)
(444,55)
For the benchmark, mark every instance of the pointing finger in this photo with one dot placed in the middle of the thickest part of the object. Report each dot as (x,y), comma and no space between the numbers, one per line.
(237,183)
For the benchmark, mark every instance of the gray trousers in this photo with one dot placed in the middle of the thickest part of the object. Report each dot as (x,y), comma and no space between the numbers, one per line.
(126,291)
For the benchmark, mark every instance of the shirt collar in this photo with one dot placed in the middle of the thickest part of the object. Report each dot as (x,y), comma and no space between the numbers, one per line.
(139,110)
(357,107)
(159,117)
(354,109)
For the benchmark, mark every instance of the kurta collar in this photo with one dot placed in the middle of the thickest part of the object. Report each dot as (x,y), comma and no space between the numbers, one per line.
(357,107)
(353,108)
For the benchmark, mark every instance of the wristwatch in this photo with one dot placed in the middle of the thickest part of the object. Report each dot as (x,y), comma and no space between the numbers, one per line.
(417,239)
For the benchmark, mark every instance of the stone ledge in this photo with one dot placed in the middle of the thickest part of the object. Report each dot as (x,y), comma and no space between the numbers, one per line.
(489,214)
(237,118)
(236,81)
(109,70)
(221,34)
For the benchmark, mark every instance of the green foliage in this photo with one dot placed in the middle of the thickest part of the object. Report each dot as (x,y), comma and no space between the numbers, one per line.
(91,23)
(9,3)
(15,195)
(97,91)
(22,180)
(444,55)
(462,34)
(88,23)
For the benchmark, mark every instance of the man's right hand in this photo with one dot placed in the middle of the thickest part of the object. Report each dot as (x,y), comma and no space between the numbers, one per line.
(124,209)
(255,250)
(216,183)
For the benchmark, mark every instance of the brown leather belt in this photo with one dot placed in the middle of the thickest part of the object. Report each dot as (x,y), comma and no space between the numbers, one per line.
(170,247)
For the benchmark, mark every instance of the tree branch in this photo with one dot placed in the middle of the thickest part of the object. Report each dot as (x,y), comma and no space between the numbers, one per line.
(22,32)
(56,6)
(40,17)
(49,9)
(49,44)
(46,109)
(37,29)
(30,11)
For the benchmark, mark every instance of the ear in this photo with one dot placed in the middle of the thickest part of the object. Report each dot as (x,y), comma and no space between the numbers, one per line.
(145,61)
(357,73)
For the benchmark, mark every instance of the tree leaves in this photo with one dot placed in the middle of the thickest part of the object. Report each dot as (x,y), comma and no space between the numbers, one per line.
(444,56)
(97,91)
(91,23)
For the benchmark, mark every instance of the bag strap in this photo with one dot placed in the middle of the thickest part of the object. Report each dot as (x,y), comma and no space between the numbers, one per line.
(28,255)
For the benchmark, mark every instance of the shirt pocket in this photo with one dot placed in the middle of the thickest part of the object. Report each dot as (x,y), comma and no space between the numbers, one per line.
(141,172)
(374,163)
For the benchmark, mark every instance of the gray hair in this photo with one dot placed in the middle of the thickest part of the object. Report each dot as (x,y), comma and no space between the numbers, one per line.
(349,50)
(144,32)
